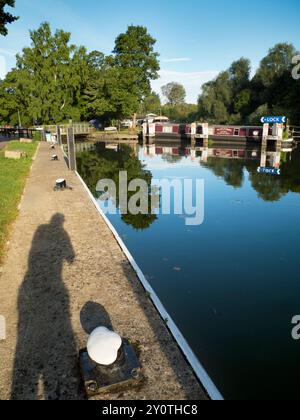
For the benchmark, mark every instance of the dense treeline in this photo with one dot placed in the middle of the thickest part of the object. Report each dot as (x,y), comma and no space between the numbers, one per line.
(55,81)
(176,108)
(236,98)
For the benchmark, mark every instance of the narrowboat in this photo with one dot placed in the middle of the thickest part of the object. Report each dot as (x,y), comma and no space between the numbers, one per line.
(220,133)
(172,130)
(239,134)
(233,133)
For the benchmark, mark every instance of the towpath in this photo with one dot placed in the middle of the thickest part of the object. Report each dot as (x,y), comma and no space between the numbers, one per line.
(63,275)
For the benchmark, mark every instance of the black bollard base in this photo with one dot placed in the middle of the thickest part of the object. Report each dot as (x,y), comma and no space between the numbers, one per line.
(123,374)
(60,185)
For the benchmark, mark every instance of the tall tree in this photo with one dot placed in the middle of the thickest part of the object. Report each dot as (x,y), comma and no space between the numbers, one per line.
(278,60)
(183,113)
(6,17)
(151,104)
(134,54)
(240,74)
(216,99)
(49,77)
(94,102)
(55,81)
(175,93)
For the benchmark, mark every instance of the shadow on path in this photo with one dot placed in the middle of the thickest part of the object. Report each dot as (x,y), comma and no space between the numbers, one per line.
(92,316)
(46,357)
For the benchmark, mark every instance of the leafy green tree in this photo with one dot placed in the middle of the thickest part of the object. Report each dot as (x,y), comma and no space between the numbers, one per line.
(134,54)
(18,96)
(183,113)
(240,75)
(174,93)
(120,83)
(278,60)
(255,117)
(242,102)
(233,98)
(48,82)
(6,17)
(55,81)
(216,99)
(151,104)
(95,101)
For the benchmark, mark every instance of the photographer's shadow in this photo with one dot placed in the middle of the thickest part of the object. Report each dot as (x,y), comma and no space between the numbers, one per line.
(46,357)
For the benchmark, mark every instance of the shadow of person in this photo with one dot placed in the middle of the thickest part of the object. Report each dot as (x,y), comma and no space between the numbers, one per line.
(46,357)
(92,316)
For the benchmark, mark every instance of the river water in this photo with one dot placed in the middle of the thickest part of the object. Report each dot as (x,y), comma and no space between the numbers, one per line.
(231,284)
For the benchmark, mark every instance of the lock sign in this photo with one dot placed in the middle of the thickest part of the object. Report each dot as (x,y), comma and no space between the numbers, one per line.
(273,120)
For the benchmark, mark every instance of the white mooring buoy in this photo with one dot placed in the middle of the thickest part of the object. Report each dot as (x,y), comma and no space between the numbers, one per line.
(103,346)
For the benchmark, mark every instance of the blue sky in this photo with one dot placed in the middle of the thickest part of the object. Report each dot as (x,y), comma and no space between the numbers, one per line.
(195,38)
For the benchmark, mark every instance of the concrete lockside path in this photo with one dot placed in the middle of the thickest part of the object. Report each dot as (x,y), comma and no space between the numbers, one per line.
(64,271)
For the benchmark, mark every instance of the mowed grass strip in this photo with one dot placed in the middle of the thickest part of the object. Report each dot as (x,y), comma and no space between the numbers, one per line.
(13,174)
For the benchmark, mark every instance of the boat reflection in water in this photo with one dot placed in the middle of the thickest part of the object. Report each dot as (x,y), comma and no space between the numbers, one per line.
(231,284)
(267,157)
(230,161)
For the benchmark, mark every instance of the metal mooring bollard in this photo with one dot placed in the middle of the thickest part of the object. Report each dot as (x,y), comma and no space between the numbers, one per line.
(109,363)
(103,346)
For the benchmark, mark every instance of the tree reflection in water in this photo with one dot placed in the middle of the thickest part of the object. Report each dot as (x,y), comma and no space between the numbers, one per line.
(269,188)
(105,163)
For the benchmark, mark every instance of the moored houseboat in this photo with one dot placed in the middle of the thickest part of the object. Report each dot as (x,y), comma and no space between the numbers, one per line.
(184,131)
(220,133)
(237,133)
(173,130)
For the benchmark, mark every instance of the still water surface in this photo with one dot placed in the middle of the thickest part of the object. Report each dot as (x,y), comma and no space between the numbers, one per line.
(232,284)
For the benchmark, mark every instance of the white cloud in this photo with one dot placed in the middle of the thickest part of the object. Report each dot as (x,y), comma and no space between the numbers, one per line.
(176,60)
(192,81)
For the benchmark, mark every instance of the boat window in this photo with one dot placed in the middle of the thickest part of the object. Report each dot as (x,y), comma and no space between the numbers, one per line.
(236,132)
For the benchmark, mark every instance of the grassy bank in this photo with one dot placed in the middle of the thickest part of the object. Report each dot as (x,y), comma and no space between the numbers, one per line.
(13,174)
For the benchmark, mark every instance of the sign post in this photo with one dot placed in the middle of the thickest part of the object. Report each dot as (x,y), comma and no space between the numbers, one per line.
(58,134)
(274,120)
(278,131)
(266,131)
(71,149)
